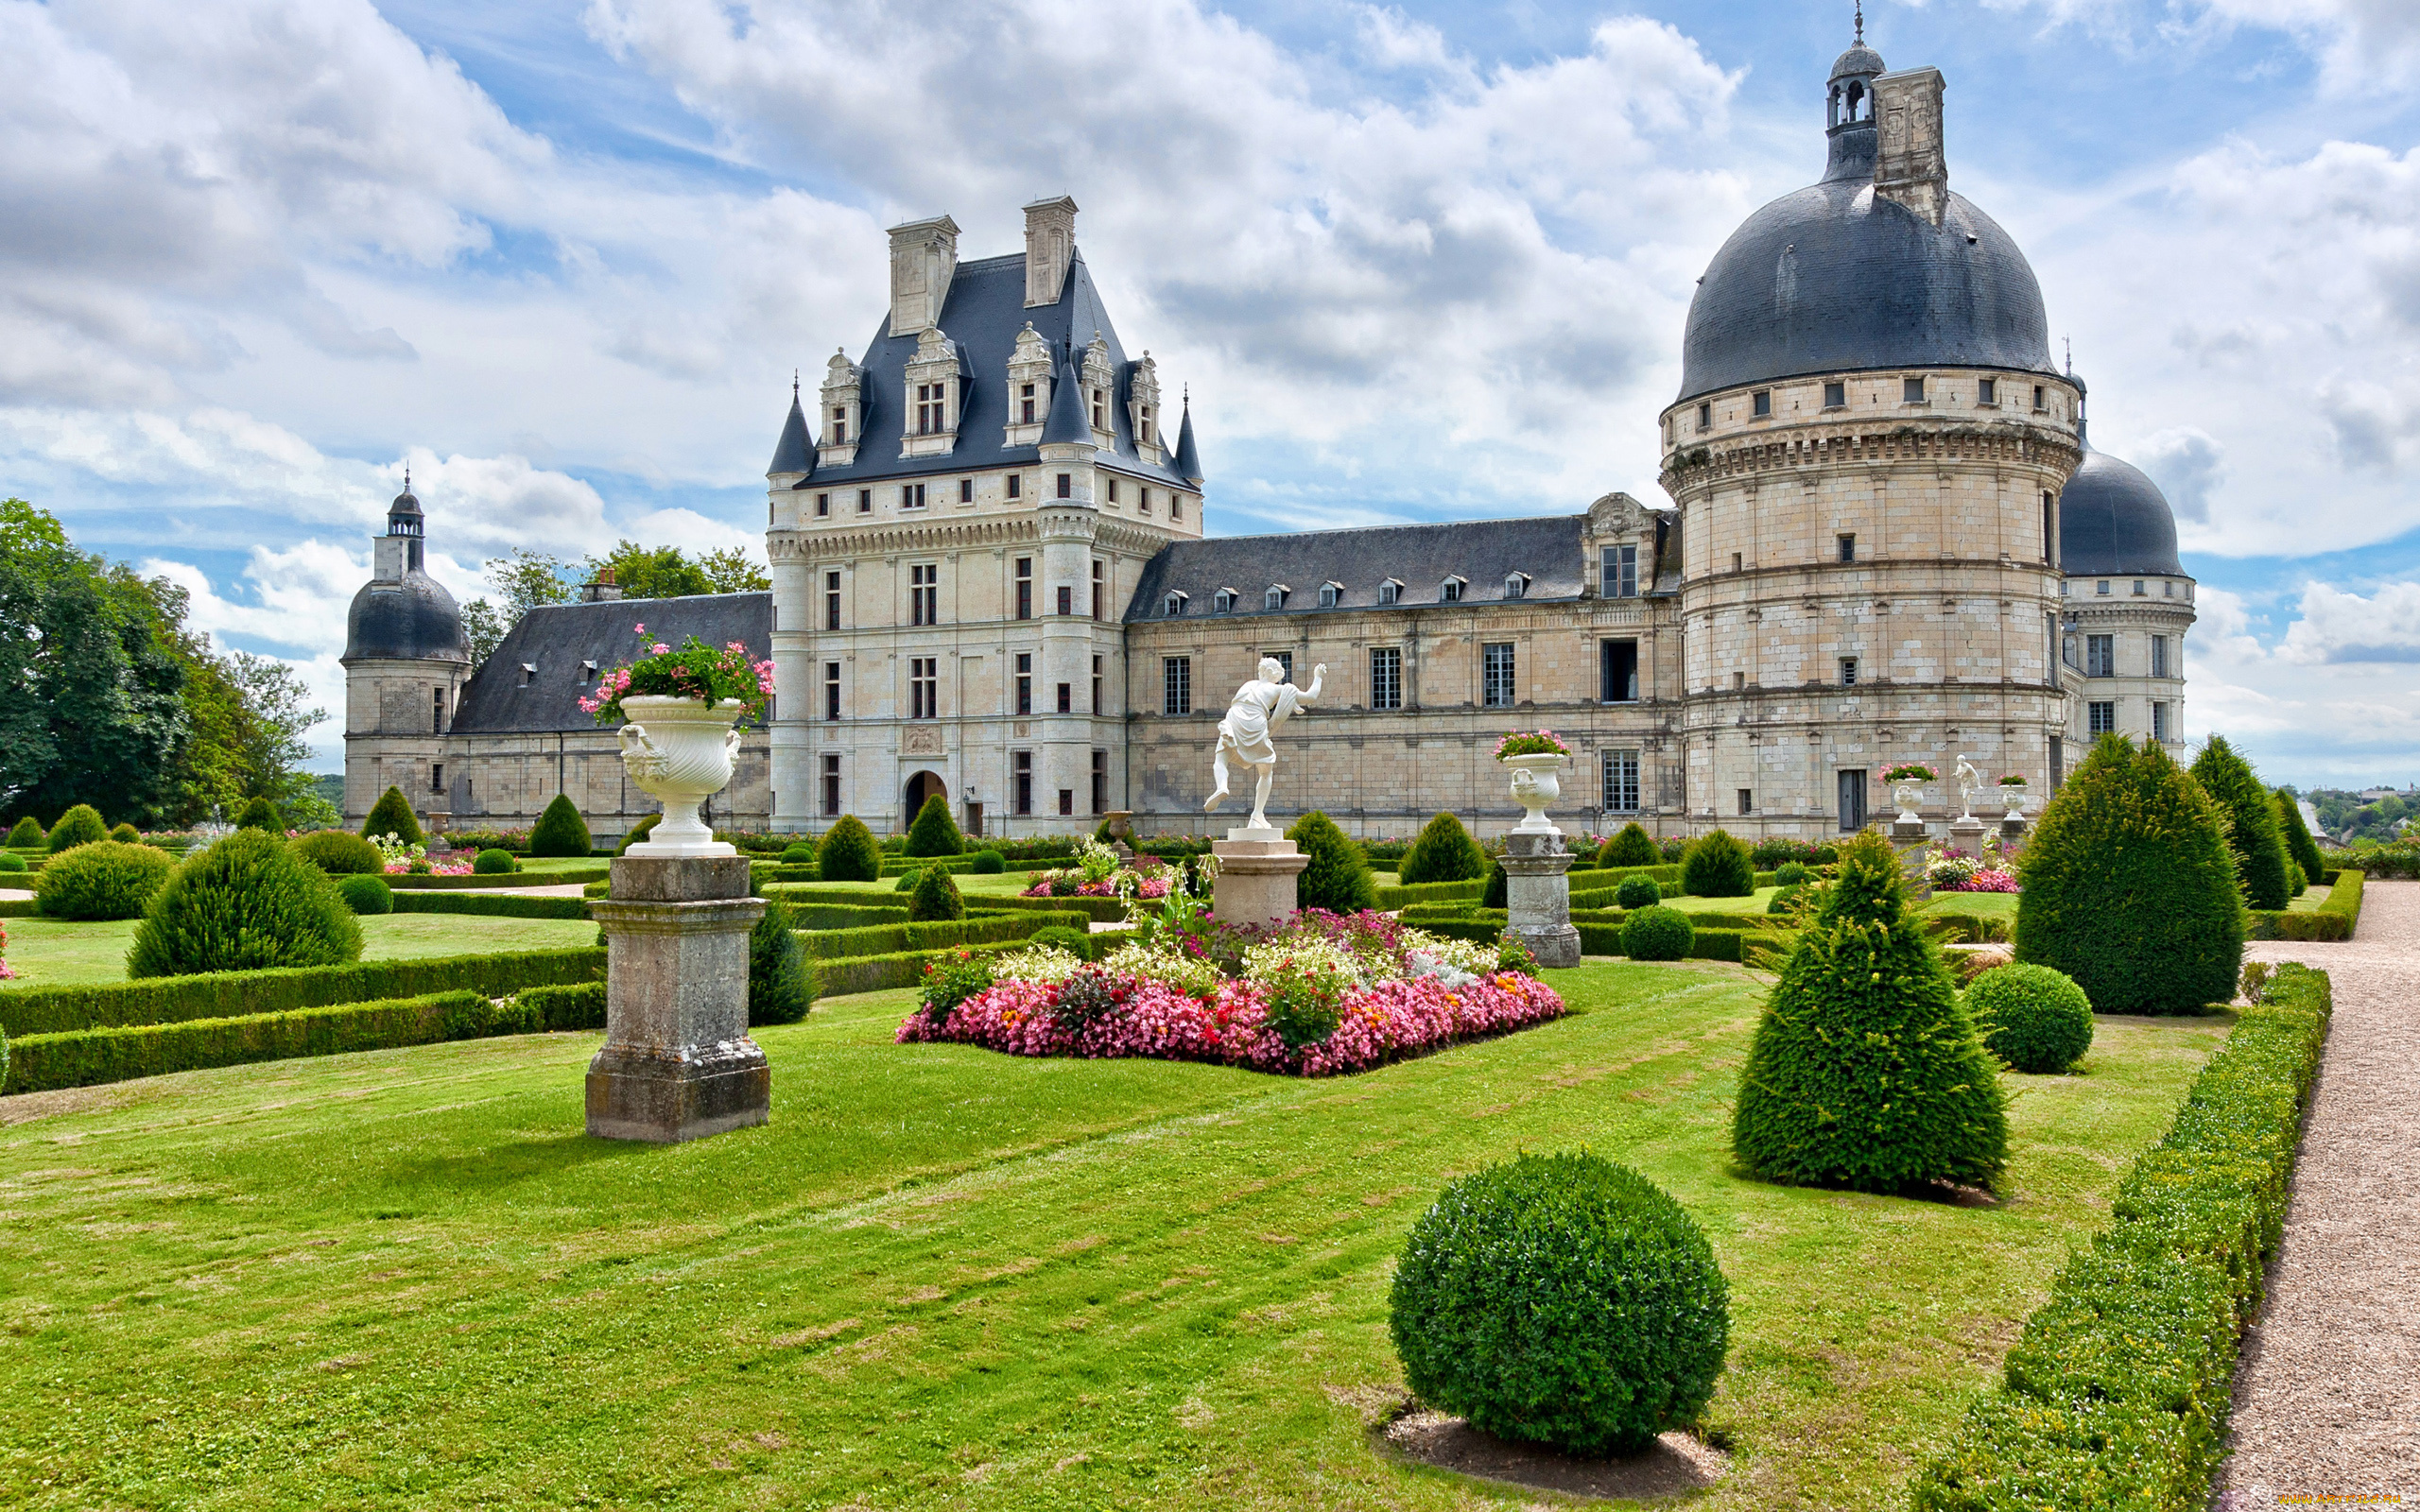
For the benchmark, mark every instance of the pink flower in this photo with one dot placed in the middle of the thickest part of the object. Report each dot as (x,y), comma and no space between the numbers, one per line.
(641,629)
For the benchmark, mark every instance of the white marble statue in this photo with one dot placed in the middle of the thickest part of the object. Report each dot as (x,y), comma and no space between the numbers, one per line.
(1261,705)
(1970,782)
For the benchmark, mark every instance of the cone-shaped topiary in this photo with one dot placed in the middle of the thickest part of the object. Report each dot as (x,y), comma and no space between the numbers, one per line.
(781,983)
(247,903)
(2129,886)
(1561,1300)
(391,814)
(126,835)
(25,834)
(561,830)
(638,832)
(1443,852)
(1656,933)
(80,825)
(1338,878)
(1718,866)
(1498,885)
(1637,892)
(2251,813)
(339,854)
(2035,1019)
(1865,1070)
(935,898)
(935,834)
(366,894)
(848,853)
(2290,828)
(105,879)
(1632,846)
(260,814)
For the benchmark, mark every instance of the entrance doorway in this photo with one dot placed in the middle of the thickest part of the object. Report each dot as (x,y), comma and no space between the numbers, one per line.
(920,787)
(1852,802)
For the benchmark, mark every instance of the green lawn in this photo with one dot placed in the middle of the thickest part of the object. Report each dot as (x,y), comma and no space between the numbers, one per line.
(942,1278)
(1004,882)
(2312,896)
(54,952)
(1983,904)
(1754,905)
(564,863)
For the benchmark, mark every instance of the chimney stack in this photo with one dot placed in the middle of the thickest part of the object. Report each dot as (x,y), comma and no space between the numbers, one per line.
(603,590)
(1050,248)
(924,257)
(1909,164)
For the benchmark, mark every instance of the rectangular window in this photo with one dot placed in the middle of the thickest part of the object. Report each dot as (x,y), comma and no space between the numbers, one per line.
(2101,656)
(2101,717)
(1761,403)
(831,601)
(1016,485)
(2159,656)
(1176,685)
(2051,529)
(2140,590)
(1987,391)
(1100,589)
(1497,684)
(2159,721)
(1176,505)
(911,495)
(1848,672)
(1113,491)
(1621,782)
(1025,403)
(1706,419)
(831,787)
(865,501)
(822,506)
(1620,580)
(924,594)
(437,711)
(831,691)
(1617,671)
(2050,649)
(1066,598)
(1066,485)
(1747,802)
(1100,781)
(2041,399)
(1143,500)
(1385,676)
(1021,782)
(966,491)
(1836,396)
(1911,390)
(924,687)
(840,427)
(1852,795)
(2067,653)
(931,416)
(436,777)
(1097,709)
(2058,760)
(1066,800)
(1847,547)
(1067,698)
(1024,683)
(2101,588)
(1025,588)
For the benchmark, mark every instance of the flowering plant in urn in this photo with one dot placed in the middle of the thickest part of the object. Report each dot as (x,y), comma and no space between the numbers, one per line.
(677,708)
(1533,755)
(2013,793)
(1908,781)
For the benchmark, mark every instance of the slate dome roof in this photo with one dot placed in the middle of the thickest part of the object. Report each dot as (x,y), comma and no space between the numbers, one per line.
(2114,521)
(411,620)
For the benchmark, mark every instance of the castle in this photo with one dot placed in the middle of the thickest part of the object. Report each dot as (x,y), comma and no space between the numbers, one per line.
(1886,540)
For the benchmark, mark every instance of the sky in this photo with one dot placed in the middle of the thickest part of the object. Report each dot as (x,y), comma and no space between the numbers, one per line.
(1419,262)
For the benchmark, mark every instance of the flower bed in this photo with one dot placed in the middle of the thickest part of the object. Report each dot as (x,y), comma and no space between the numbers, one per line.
(1320,995)
(1954,870)
(1099,873)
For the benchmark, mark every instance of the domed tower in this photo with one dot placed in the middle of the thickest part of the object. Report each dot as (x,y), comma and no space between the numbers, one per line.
(405,660)
(2129,604)
(1867,451)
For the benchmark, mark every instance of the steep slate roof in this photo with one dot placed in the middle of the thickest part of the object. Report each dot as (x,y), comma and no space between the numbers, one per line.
(795,452)
(1187,463)
(557,638)
(1483,552)
(1066,422)
(2113,520)
(983,314)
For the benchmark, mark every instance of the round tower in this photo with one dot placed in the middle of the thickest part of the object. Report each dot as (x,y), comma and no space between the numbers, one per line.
(405,662)
(2128,602)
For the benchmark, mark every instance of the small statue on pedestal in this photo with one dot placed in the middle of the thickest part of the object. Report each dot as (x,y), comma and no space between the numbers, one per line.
(1970,782)
(1261,705)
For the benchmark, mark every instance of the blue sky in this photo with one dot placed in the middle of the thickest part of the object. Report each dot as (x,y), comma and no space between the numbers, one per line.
(1416,262)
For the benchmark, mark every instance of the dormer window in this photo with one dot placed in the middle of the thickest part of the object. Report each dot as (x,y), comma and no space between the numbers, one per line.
(932,416)
(1275,599)
(528,671)
(1100,410)
(1143,426)
(1173,605)
(1451,591)
(1516,584)
(588,672)
(1329,593)
(1025,403)
(840,427)
(1389,591)
(1224,602)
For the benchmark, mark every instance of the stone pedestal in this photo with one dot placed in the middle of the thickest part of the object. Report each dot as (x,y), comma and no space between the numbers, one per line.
(1967,834)
(1537,897)
(1910,840)
(678,1063)
(2013,828)
(1256,872)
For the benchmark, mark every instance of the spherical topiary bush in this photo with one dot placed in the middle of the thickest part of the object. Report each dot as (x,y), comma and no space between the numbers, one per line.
(799,854)
(260,814)
(934,832)
(1632,846)
(392,815)
(10,861)
(1718,865)
(366,894)
(848,853)
(1562,1300)
(561,830)
(637,832)
(107,879)
(2251,813)
(2035,1019)
(1443,852)
(935,897)
(1789,872)
(1062,937)
(781,982)
(126,835)
(1638,892)
(339,854)
(495,862)
(80,825)
(991,864)
(25,834)
(247,903)
(1338,876)
(1658,933)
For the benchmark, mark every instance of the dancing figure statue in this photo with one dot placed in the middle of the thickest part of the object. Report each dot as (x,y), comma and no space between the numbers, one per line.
(1970,782)
(1261,705)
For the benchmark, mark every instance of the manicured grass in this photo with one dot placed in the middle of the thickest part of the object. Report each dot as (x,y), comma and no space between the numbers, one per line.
(564,863)
(1983,905)
(942,1278)
(54,952)
(1754,905)
(1006,883)
(2308,903)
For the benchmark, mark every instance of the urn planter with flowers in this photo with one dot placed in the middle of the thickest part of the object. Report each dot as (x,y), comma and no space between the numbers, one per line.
(1536,757)
(2013,794)
(1907,789)
(677,709)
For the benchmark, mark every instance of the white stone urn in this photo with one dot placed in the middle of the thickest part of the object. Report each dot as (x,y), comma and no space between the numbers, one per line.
(1909,795)
(2015,799)
(678,751)
(1535,785)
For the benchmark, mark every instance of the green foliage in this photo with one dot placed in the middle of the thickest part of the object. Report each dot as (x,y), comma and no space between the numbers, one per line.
(2291,829)
(1718,865)
(25,834)
(2117,1393)
(848,853)
(1336,877)
(2250,813)
(909,878)
(126,835)
(2035,1019)
(781,985)
(1790,872)
(639,832)
(799,854)
(1561,1300)
(1632,846)
(80,825)
(1498,887)
(936,896)
(2130,888)
(935,834)
(10,861)
(577,1005)
(495,862)
(392,815)
(491,904)
(991,864)
(366,894)
(1786,900)
(339,853)
(664,572)
(247,903)
(110,880)
(1865,1070)
(952,980)
(260,814)
(561,830)
(1637,892)
(1656,933)
(1445,851)
(94,1056)
(1077,944)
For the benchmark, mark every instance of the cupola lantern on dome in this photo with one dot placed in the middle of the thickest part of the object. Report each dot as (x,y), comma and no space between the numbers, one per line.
(402,613)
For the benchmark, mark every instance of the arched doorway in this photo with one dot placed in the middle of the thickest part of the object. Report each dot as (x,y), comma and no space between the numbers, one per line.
(920,787)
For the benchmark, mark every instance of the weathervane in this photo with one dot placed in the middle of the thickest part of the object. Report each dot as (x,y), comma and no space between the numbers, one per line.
(1860,20)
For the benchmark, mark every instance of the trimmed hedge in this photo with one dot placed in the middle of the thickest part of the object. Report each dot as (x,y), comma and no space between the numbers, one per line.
(883,939)
(425,881)
(2117,1394)
(2334,920)
(1336,877)
(106,880)
(340,853)
(234,994)
(1096,910)
(1718,865)
(246,904)
(366,895)
(1425,892)
(934,832)
(2250,813)
(815,916)
(494,907)
(577,1005)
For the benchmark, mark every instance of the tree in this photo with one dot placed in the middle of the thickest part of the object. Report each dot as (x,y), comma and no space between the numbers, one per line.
(659,572)
(2297,836)
(526,581)
(781,982)
(1865,1070)
(1632,846)
(935,899)
(392,815)
(2250,813)
(1443,852)
(2130,888)
(482,629)
(1338,876)
(1718,866)
(934,832)
(561,830)
(729,571)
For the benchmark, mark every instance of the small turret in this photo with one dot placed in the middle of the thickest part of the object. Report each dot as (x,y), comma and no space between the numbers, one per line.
(1067,424)
(794,454)
(1188,463)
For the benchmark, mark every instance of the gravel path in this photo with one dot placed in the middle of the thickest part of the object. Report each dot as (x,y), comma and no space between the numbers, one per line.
(2327,1397)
